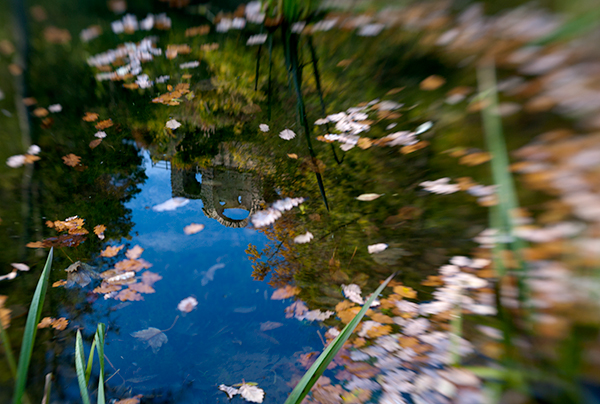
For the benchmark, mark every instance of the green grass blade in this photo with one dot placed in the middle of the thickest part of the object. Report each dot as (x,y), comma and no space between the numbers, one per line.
(10,358)
(90,363)
(33,318)
(80,366)
(317,369)
(99,338)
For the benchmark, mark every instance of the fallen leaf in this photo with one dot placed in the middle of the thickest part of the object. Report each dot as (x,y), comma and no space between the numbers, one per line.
(134,253)
(90,116)
(252,393)
(474,159)
(293,156)
(60,323)
(287,134)
(59,283)
(71,159)
(405,291)
(111,251)
(132,400)
(40,112)
(149,278)
(285,292)
(269,325)
(368,197)
(432,82)
(95,143)
(230,391)
(128,295)
(376,248)
(45,323)
(343,305)
(362,369)
(303,238)
(193,228)
(4,313)
(364,143)
(172,124)
(99,231)
(107,123)
(188,304)
(142,288)
(105,288)
(171,204)
(154,337)
(414,147)
(132,265)
(347,315)
(20,267)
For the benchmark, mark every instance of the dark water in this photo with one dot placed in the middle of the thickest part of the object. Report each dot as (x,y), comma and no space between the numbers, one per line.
(381,98)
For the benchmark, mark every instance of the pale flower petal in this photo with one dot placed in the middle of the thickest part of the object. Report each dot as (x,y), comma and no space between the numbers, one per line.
(264,127)
(287,134)
(173,124)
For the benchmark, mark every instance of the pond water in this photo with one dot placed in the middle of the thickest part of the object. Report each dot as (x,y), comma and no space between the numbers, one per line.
(224,185)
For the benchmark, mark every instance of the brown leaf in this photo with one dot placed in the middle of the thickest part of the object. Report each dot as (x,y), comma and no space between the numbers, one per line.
(132,400)
(99,231)
(432,82)
(95,143)
(474,159)
(285,292)
(150,278)
(142,288)
(343,305)
(132,265)
(128,294)
(107,288)
(111,251)
(71,159)
(293,156)
(364,143)
(40,112)
(362,369)
(4,313)
(347,315)
(414,147)
(46,322)
(30,158)
(60,323)
(107,123)
(90,116)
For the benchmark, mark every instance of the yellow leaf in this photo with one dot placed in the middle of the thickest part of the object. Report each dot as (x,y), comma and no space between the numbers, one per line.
(405,291)
(90,116)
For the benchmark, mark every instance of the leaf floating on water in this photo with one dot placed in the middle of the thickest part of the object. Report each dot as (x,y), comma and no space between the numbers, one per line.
(230,391)
(368,197)
(141,287)
(95,143)
(171,204)
(269,325)
(188,304)
(172,124)
(193,228)
(264,127)
(252,393)
(111,251)
(287,134)
(99,231)
(377,248)
(303,238)
(432,83)
(107,123)
(285,293)
(293,156)
(132,400)
(150,278)
(90,116)
(134,253)
(353,293)
(81,274)
(59,283)
(129,295)
(19,266)
(153,337)
(71,160)
(56,323)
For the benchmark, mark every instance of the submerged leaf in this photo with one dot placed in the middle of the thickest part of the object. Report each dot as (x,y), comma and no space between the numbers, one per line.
(154,337)
(134,253)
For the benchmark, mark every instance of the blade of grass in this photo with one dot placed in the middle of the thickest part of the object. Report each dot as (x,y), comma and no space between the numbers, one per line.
(90,363)
(47,389)
(99,338)
(317,369)
(80,367)
(33,318)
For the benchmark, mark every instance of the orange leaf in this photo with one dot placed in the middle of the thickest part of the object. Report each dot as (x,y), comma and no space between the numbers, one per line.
(432,82)
(59,283)
(40,112)
(343,305)
(347,315)
(405,291)
(379,330)
(45,323)
(382,318)
(111,251)
(71,159)
(95,143)
(99,231)
(107,288)
(129,294)
(107,123)
(90,116)
(142,288)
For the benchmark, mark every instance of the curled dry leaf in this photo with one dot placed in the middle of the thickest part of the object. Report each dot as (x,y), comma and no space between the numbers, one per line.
(285,292)
(111,251)
(193,228)
(71,160)
(56,323)
(368,197)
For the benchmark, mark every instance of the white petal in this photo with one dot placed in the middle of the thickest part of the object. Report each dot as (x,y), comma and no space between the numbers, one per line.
(172,124)
(377,248)
(287,134)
